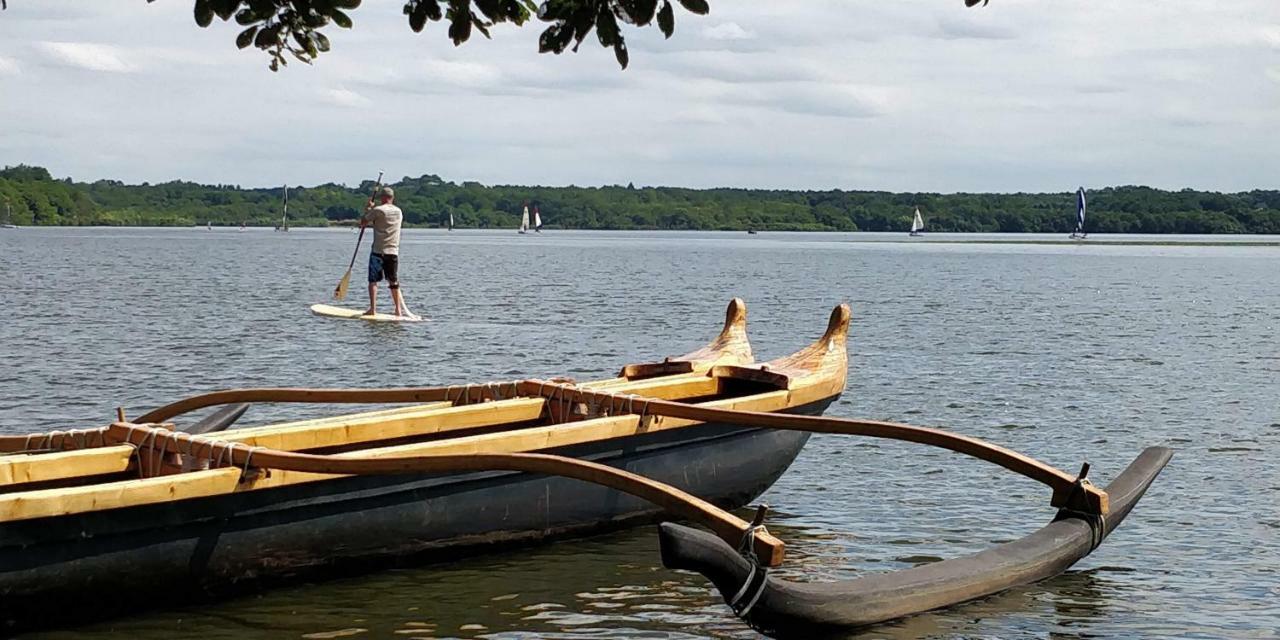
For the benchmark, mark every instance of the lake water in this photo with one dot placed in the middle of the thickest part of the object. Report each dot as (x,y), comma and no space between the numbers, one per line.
(1068,353)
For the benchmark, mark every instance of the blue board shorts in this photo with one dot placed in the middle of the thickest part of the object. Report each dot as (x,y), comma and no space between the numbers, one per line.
(384,265)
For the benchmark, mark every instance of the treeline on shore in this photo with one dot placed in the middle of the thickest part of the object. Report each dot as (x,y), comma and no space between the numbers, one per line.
(36,198)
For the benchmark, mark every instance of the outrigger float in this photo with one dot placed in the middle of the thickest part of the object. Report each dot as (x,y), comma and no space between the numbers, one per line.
(146,513)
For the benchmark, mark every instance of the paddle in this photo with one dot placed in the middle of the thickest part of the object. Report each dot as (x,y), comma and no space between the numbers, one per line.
(340,291)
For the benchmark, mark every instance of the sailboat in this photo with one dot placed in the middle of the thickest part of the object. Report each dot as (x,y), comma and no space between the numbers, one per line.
(1079,233)
(524,219)
(917,223)
(537,220)
(284,217)
(208,225)
(8,217)
(451,221)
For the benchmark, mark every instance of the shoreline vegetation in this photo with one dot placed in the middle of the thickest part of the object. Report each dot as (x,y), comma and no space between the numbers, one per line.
(38,199)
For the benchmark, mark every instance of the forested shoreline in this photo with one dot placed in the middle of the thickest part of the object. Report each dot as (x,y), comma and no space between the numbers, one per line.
(37,198)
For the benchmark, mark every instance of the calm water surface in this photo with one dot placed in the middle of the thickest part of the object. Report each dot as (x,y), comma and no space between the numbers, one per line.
(1069,353)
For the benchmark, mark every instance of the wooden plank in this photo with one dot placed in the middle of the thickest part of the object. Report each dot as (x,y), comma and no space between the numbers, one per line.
(42,467)
(371,429)
(43,503)
(433,419)
(32,504)
(524,440)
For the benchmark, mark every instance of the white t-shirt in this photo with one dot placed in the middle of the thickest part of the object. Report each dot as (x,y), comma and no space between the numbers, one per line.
(385,219)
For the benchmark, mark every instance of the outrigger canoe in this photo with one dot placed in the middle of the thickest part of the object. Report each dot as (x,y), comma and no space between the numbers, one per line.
(148,512)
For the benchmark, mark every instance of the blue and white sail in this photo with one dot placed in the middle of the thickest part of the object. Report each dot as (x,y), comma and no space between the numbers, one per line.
(1080,207)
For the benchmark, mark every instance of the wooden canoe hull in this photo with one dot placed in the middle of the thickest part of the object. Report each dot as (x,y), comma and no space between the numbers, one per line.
(174,552)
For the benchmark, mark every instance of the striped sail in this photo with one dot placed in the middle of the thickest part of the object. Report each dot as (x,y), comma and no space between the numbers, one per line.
(1080,207)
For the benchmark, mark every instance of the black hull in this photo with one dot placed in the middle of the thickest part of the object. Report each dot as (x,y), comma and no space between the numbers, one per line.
(112,562)
(806,610)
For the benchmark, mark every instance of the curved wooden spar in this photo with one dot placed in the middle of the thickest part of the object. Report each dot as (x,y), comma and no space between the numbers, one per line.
(679,503)
(1068,490)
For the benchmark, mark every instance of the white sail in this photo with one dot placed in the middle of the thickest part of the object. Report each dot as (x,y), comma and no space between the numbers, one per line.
(451,221)
(918,223)
(537,220)
(284,216)
(524,219)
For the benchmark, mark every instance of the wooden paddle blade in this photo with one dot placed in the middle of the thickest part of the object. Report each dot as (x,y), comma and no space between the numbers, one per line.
(341,291)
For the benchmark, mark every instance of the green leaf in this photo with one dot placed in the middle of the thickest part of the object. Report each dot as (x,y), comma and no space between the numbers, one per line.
(322,41)
(641,11)
(266,38)
(620,52)
(696,6)
(480,26)
(666,19)
(224,8)
(246,17)
(555,38)
(203,13)
(347,4)
(246,37)
(460,27)
(418,18)
(606,27)
(341,19)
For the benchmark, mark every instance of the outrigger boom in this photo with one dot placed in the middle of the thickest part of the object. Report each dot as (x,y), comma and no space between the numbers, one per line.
(647,400)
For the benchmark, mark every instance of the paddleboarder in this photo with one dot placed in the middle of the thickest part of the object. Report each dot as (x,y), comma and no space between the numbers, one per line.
(384,257)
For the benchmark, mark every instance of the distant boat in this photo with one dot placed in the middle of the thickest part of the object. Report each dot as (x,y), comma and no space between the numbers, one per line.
(752,232)
(242,226)
(524,219)
(8,218)
(917,223)
(208,225)
(284,217)
(537,220)
(451,221)
(1079,233)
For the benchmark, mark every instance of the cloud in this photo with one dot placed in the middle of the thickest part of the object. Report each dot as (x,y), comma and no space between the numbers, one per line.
(84,55)
(813,94)
(1271,36)
(955,27)
(460,74)
(814,99)
(728,31)
(345,98)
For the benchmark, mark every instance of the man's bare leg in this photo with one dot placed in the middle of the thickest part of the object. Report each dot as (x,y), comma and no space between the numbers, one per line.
(373,299)
(401,308)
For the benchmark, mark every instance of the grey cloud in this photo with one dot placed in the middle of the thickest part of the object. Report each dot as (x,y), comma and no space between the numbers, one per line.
(955,27)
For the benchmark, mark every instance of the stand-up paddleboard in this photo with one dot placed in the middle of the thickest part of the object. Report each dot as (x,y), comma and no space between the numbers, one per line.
(331,311)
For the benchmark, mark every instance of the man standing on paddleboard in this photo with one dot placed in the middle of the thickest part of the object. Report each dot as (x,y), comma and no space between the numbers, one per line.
(384,257)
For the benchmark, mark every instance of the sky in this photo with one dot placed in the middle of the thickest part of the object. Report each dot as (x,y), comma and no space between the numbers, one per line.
(900,95)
